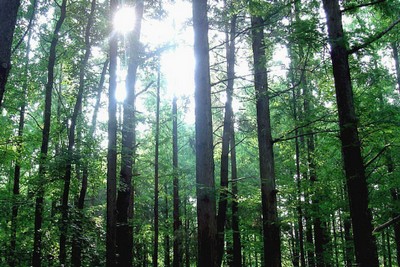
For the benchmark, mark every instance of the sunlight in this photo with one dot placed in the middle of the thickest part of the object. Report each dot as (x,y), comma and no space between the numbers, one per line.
(124,20)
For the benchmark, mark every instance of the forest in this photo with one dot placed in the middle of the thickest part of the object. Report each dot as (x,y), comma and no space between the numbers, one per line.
(261,133)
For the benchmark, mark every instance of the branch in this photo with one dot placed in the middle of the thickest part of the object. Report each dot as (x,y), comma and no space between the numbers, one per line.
(362,5)
(301,135)
(373,39)
(320,119)
(377,155)
(27,29)
(386,224)
(145,89)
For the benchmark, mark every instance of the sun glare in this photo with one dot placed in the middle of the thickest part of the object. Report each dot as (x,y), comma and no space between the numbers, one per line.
(124,20)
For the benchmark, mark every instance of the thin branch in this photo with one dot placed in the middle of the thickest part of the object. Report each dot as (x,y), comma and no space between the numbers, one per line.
(27,28)
(302,135)
(373,38)
(37,123)
(320,119)
(377,155)
(386,224)
(145,89)
(362,5)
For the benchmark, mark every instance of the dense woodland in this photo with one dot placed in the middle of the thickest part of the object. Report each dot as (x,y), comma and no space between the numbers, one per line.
(282,150)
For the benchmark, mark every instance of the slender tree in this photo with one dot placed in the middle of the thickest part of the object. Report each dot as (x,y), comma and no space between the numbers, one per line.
(71,137)
(8,20)
(17,168)
(396,62)
(226,137)
(77,235)
(112,146)
(237,243)
(156,174)
(271,235)
(125,190)
(364,242)
(205,185)
(37,245)
(177,246)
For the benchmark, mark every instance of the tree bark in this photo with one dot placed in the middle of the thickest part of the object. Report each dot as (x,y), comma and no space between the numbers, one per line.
(112,147)
(177,246)
(8,20)
(71,138)
(37,243)
(205,185)
(271,235)
(125,191)
(364,242)
(226,137)
(237,245)
(396,63)
(77,238)
(13,261)
(156,175)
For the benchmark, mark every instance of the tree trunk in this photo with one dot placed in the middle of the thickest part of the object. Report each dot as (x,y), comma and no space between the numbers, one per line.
(71,138)
(37,243)
(8,20)
(271,235)
(156,176)
(226,137)
(396,63)
(112,147)
(187,233)
(125,191)
(396,227)
(205,185)
(167,259)
(77,239)
(177,246)
(237,246)
(364,242)
(17,169)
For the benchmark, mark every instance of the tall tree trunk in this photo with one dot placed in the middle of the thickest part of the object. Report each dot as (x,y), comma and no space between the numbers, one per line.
(156,175)
(17,169)
(77,239)
(298,187)
(167,259)
(205,185)
(112,147)
(8,20)
(71,138)
(237,245)
(396,63)
(390,164)
(226,137)
(125,191)
(177,246)
(187,233)
(271,235)
(364,242)
(37,243)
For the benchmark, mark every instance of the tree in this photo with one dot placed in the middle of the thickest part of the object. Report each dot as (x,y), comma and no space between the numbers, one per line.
(37,255)
(156,174)
(71,137)
(8,20)
(270,224)
(17,168)
(177,246)
(112,147)
(205,185)
(125,192)
(364,242)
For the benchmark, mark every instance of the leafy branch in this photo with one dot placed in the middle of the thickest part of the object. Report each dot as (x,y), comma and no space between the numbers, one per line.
(373,38)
